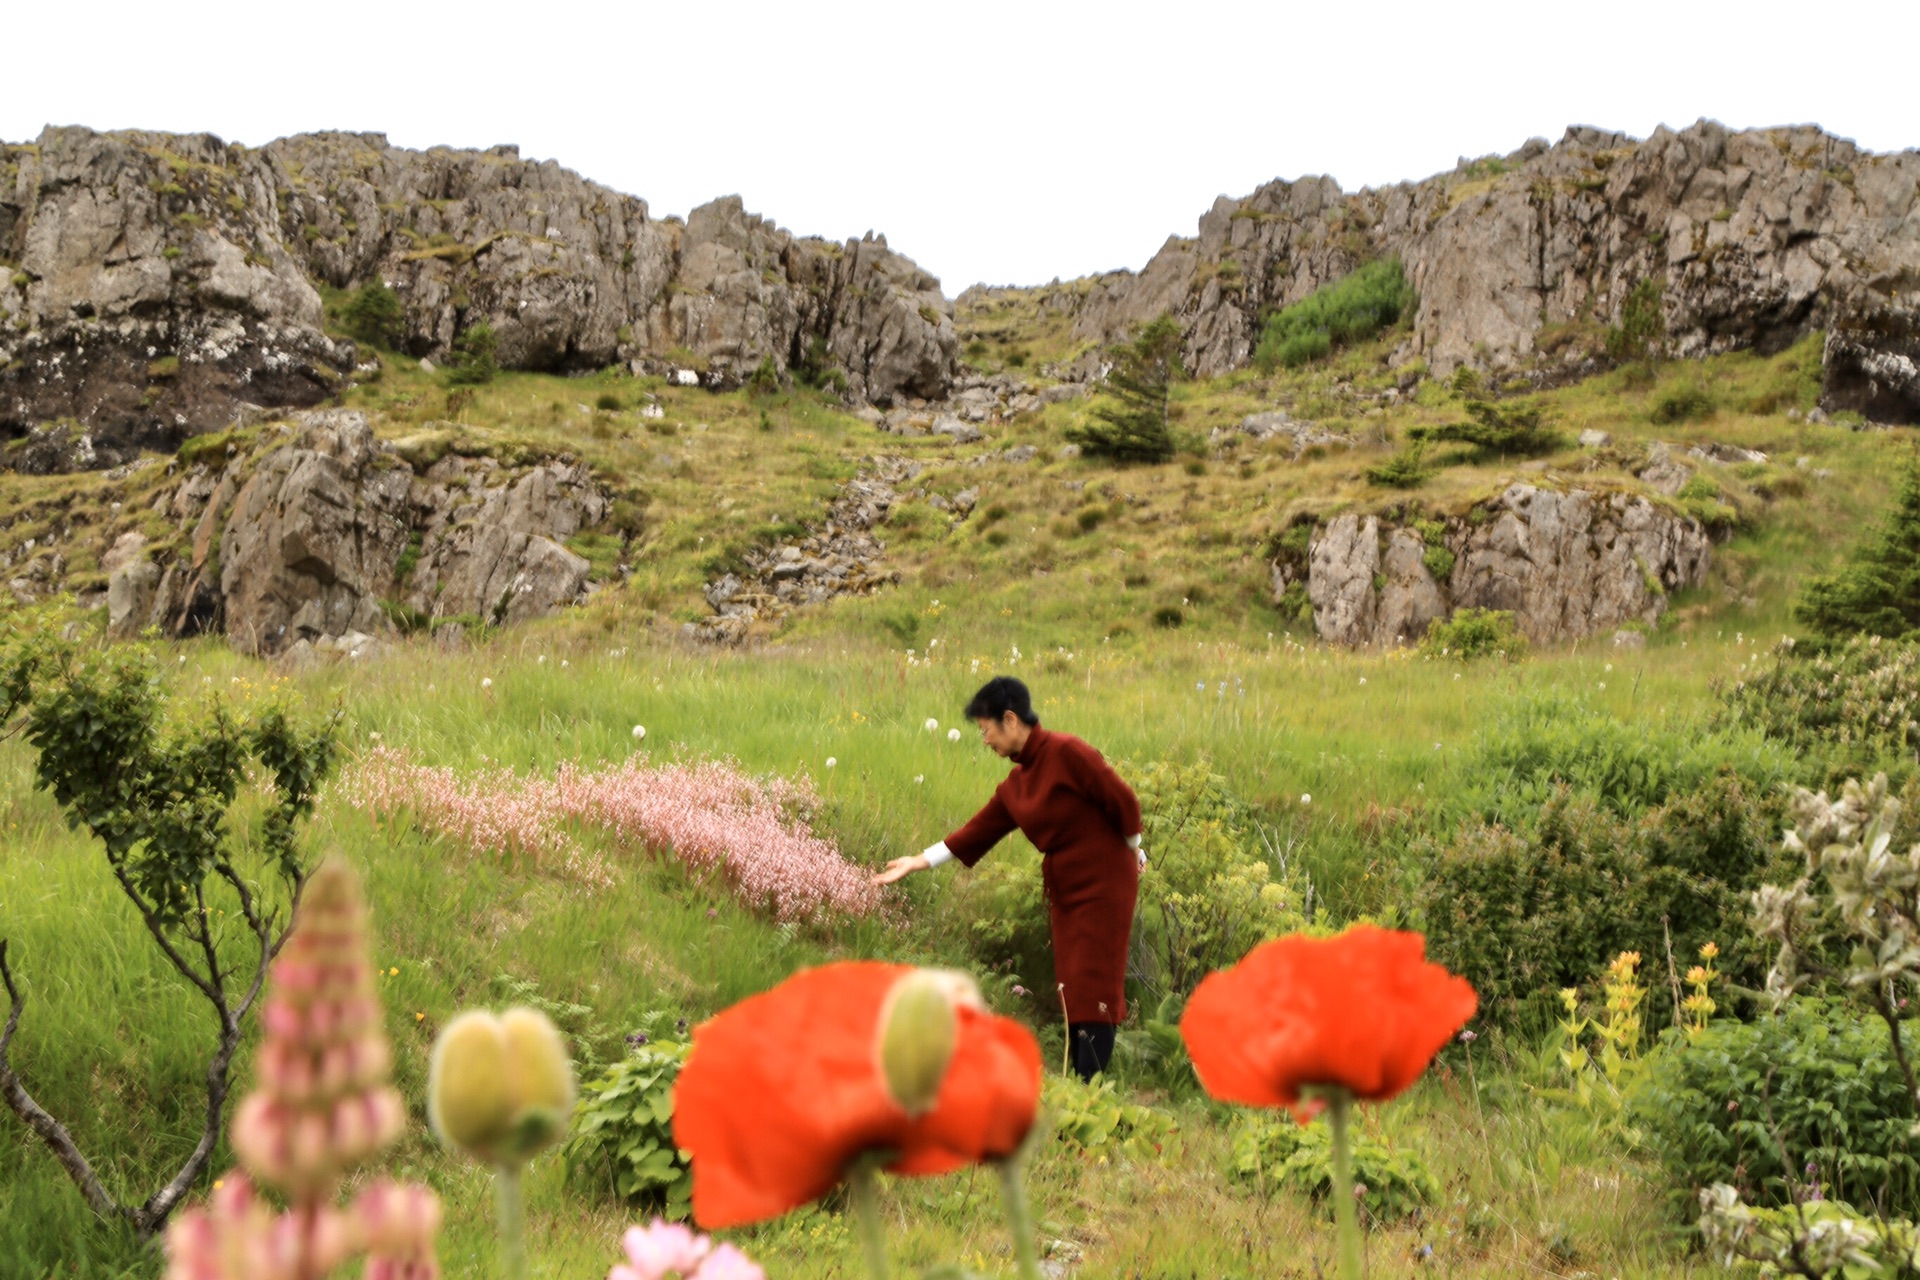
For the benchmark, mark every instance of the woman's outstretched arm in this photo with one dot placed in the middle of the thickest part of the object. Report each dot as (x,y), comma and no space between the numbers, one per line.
(984,830)
(969,844)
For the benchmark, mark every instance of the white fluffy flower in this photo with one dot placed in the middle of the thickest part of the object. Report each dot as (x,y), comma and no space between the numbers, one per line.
(932,724)
(831,762)
(919,778)
(953,735)
(639,732)
(1305,798)
(486,682)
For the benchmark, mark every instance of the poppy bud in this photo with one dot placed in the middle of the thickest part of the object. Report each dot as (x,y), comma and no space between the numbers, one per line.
(918,1030)
(500,1088)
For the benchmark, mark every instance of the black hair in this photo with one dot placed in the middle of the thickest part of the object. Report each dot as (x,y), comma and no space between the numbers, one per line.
(999,696)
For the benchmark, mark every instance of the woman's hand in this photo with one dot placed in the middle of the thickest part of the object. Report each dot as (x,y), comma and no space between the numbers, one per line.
(900,869)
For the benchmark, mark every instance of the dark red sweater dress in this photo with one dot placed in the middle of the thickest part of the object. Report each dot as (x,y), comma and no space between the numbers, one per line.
(1068,800)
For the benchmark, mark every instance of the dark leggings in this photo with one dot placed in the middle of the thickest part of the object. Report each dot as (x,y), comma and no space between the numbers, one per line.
(1092,1047)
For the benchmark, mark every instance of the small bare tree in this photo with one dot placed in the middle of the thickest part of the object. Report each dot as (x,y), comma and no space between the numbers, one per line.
(157,786)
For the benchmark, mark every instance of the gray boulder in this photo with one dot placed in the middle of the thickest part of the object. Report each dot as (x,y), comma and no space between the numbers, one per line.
(1566,564)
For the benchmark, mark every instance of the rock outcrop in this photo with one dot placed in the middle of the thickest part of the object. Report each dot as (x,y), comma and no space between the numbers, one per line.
(1743,239)
(1566,564)
(150,282)
(841,558)
(322,532)
(144,289)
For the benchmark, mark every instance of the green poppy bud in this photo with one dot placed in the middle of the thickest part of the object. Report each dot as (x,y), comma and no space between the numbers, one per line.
(918,1030)
(500,1088)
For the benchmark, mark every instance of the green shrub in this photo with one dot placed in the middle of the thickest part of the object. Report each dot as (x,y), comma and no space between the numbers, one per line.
(765,380)
(622,1136)
(1642,324)
(1686,400)
(1209,893)
(607,402)
(1406,469)
(474,359)
(1854,708)
(1524,913)
(1284,1153)
(1701,498)
(1878,592)
(1168,616)
(1542,742)
(1090,1116)
(374,316)
(1810,1099)
(1352,309)
(1470,633)
(1295,604)
(1519,427)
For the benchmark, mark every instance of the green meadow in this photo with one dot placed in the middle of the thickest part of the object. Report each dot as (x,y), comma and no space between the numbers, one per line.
(1147,627)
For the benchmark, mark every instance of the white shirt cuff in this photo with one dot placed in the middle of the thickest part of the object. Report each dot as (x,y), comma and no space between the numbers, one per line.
(938,854)
(1133,842)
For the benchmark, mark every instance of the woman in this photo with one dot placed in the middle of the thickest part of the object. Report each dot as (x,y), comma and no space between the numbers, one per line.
(1086,822)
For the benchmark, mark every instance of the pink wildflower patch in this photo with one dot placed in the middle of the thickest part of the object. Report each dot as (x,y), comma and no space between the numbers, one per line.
(713,817)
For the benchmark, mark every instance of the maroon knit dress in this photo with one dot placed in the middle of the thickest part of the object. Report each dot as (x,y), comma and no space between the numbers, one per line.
(1068,800)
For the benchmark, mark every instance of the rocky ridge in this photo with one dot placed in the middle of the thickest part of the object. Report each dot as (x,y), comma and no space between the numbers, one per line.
(1752,240)
(150,282)
(320,534)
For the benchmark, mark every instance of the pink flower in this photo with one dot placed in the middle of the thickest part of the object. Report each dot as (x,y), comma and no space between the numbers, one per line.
(728,1263)
(670,1249)
(755,832)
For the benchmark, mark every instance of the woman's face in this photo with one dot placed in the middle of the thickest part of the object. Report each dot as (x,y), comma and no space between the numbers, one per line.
(1004,736)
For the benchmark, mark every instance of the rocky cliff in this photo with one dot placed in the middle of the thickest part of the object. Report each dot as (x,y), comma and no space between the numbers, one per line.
(150,282)
(1567,564)
(1746,239)
(319,534)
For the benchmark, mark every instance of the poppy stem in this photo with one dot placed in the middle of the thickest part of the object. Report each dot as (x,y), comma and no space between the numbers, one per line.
(866,1207)
(513,1222)
(1345,1216)
(1013,1186)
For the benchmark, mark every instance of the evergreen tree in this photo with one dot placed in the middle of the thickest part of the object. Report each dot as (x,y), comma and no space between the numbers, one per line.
(1132,424)
(374,316)
(474,358)
(1878,591)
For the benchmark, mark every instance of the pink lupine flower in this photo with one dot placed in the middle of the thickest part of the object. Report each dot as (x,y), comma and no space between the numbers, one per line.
(712,816)
(398,1223)
(322,1103)
(237,1235)
(320,1106)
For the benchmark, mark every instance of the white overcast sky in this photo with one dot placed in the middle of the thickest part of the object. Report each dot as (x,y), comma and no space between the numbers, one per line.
(1004,142)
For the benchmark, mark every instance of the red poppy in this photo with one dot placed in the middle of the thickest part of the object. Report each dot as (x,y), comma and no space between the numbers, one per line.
(784,1091)
(1364,1010)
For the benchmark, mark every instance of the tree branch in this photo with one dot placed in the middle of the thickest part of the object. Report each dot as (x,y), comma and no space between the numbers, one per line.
(218,992)
(49,1130)
(158,931)
(150,1216)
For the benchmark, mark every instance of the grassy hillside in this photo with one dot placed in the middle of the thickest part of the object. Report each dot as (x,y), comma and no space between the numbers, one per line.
(1056,577)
